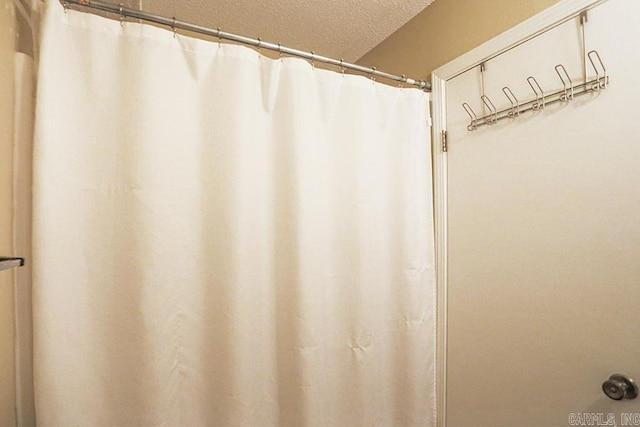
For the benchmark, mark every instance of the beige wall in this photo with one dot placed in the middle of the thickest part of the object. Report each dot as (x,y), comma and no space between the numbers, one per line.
(7,362)
(445,30)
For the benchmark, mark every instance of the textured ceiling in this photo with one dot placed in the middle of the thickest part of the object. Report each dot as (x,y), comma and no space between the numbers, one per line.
(341,29)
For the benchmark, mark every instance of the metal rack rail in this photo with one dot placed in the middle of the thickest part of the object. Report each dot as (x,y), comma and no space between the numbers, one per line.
(568,92)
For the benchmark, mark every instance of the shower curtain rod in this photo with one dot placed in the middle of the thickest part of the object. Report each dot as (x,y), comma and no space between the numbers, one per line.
(175,24)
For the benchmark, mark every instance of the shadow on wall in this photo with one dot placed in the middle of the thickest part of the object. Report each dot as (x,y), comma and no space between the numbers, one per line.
(445,30)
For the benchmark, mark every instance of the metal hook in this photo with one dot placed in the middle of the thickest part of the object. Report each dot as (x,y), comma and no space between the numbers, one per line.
(540,102)
(402,81)
(342,66)
(568,94)
(372,71)
(515,104)
(313,58)
(473,125)
(259,44)
(601,81)
(121,15)
(219,38)
(279,51)
(173,27)
(65,5)
(492,109)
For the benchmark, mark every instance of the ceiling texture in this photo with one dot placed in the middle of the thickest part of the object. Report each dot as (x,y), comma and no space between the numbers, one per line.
(341,29)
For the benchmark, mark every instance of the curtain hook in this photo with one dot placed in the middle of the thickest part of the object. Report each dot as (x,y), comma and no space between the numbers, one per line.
(279,51)
(342,66)
(121,15)
(173,27)
(259,44)
(372,71)
(65,5)
(403,79)
(313,58)
(219,38)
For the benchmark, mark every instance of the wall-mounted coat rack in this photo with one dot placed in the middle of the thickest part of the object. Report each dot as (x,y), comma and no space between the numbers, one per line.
(569,92)
(9,262)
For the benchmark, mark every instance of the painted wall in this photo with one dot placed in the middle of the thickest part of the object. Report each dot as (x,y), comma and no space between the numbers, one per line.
(445,30)
(7,362)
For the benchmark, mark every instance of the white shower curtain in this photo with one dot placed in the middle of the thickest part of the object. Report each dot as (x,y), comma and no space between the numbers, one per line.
(225,239)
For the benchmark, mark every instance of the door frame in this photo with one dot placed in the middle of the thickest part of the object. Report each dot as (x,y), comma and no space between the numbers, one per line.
(546,20)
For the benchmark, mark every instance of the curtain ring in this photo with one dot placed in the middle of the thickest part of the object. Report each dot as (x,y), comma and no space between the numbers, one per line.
(403,79)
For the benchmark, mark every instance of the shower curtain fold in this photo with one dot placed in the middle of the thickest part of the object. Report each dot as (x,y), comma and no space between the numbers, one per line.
(225,239)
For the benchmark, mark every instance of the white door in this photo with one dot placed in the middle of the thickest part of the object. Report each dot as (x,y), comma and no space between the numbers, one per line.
(544,234)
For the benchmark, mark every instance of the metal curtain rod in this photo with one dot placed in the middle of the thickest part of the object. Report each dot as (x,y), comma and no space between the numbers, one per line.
(175,24)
